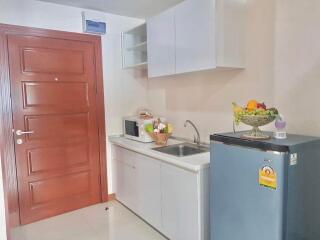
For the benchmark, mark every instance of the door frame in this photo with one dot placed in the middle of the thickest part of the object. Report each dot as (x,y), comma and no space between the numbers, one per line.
(7,153)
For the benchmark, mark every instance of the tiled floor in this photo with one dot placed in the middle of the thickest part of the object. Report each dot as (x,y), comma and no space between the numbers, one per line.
(91,223)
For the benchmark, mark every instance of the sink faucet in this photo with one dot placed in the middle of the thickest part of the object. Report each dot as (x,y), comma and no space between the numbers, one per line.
(196,139)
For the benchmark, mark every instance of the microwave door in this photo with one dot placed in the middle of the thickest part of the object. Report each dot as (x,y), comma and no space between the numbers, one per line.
(131,128)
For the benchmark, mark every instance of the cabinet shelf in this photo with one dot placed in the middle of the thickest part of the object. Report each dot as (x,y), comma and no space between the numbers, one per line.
(134,48)
(141,65)
(139,30)
(138,47)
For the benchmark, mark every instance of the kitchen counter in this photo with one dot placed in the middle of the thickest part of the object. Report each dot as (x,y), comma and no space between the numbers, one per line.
(192,163)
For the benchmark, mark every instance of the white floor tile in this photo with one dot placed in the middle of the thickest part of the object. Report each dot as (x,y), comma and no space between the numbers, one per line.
(91,223)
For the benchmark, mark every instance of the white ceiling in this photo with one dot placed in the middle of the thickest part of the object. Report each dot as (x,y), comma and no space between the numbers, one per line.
(130,8)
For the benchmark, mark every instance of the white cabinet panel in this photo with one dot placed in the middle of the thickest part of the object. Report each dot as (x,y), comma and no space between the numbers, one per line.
(195,35)
(126,177)
(161,44)
(149,190)
(180,203)
(138,184)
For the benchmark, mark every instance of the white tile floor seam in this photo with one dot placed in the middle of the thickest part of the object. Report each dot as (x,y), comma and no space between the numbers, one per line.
(91,223)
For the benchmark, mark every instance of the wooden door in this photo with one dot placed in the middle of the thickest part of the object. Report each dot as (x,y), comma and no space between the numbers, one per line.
(53,91)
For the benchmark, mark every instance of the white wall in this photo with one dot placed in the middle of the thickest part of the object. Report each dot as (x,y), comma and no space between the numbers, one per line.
(121,87)
(297,64)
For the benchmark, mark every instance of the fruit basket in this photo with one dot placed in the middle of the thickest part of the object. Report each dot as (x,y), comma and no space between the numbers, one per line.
(160,131)
(160,138)
(255,115)
(256,122)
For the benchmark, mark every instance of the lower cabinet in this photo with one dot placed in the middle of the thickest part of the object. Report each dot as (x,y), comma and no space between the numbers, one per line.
(180,203)
(173,200)
(126,176)
(148,190)
(137,184)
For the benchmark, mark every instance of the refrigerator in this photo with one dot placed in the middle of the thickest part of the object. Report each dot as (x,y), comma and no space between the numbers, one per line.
(264,190)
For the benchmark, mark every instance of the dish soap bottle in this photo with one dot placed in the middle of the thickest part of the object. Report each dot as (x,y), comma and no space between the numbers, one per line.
(280,124)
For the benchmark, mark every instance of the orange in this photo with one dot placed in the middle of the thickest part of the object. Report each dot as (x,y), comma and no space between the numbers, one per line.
(252,105)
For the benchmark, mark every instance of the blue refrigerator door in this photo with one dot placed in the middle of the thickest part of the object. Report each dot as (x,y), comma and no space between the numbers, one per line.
(242,208)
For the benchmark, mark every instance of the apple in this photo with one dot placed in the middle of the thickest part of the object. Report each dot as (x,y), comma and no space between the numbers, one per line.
(149,128)
(262,106)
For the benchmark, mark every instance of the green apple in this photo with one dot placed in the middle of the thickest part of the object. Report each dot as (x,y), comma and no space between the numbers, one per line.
(149,128)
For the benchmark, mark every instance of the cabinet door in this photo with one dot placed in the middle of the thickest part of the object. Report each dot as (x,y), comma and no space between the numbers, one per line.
(137,184)
(161,44)
(180,214)
(149,190)
(126,176)
(195,35)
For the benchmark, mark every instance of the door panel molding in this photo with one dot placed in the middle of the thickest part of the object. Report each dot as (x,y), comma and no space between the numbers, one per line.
(41,160)
(7,153)
(70,92)
(66,64)
(40,189)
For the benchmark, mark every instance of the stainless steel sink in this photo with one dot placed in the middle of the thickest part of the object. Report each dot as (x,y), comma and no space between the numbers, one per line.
(182,149)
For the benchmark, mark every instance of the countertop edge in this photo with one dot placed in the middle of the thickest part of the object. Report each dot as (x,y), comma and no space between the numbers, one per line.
(157,156)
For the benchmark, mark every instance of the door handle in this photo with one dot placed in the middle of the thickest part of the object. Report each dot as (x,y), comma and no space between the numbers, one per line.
(19,132)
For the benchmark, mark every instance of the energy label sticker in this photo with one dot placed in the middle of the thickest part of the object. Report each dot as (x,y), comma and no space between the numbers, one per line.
(268,177)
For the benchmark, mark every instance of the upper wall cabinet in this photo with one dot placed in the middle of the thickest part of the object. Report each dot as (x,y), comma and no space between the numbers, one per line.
(194,25)
(197,35)
(161,46)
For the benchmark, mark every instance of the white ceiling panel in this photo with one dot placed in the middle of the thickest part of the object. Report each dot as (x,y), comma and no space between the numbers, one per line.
(130,8)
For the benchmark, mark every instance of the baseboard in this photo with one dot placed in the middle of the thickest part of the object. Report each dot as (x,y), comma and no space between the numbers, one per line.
(111,197)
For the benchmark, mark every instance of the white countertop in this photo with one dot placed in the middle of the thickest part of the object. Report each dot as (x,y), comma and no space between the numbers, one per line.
(193,163)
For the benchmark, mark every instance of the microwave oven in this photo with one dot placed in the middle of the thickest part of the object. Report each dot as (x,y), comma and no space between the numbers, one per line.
(134,128)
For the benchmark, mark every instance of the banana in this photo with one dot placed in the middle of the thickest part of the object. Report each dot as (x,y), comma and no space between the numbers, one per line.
(236,108)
